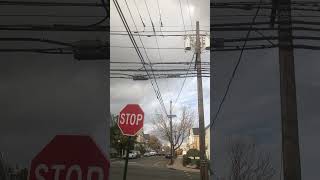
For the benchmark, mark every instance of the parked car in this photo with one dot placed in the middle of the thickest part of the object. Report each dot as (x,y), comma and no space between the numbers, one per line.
(132,155)
(147,154)
(168,156)
(138,153)
(153,153)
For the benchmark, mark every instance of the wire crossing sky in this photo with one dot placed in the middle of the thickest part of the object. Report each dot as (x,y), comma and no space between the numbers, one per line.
(150,24)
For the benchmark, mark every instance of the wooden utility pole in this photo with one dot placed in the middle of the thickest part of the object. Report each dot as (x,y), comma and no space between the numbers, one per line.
(203,159)
(290,130)
(171,143)
(170,116)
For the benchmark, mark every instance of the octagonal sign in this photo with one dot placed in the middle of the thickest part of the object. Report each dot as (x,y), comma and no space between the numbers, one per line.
(131,119)
(70,157)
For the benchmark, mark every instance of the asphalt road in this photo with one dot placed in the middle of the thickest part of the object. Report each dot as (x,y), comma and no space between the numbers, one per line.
(149,168)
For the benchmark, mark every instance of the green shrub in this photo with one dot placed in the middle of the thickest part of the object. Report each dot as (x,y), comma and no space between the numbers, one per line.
(195,162)
(185,160)
(193,153)
(198,163)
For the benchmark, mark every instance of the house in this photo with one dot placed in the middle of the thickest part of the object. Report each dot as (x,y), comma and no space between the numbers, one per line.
(207,141)
(142,139)
(184,147)
(193,139)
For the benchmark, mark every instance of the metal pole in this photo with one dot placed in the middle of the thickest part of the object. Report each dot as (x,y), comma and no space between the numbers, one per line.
(290,131)
(171,134)
(203,160)
(127,157)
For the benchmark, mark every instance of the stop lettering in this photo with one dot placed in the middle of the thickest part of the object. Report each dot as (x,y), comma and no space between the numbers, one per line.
(70,157)
(131,119)
(59,171)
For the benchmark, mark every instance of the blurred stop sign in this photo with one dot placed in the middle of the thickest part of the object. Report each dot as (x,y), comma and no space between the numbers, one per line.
(131,119)
(70,157)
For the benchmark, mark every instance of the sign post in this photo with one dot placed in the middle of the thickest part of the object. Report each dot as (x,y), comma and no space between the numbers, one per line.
(127,157)
(130,122)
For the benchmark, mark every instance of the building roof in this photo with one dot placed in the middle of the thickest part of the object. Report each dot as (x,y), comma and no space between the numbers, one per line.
(195,131)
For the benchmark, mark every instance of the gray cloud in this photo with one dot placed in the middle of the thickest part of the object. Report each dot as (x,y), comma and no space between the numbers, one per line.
(252,107)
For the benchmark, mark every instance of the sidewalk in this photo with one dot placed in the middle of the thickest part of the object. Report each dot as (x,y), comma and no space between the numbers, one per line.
(177,165)
(115,159)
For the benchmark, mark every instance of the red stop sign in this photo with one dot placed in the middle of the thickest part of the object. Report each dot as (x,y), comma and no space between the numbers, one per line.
(131,119)
(70,157)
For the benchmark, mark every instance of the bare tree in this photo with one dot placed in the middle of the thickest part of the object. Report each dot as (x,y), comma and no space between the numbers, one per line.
(3,168)
(247,163)
(180,128)
(154,143)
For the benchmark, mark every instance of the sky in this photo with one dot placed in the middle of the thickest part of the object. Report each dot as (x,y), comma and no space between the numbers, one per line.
(42,95)
(141,92)
(252,107)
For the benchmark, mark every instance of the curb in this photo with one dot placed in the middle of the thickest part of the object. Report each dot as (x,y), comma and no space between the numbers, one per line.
(115,159)
(184,169)
(171,167)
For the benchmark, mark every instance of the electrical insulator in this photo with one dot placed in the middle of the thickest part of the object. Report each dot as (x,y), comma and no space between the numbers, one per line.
(207,42)
(187,45)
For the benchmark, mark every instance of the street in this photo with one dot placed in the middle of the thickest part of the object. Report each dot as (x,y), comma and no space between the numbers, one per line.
(147,168)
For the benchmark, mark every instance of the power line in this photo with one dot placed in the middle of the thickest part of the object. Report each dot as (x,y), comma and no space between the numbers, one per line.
(55,27)
(34,3)
(155,63)
(151,35)
(159,70)
(214,27)
(184,26)
(157,91)
(189,13)
(160,77)
(135,3)
(106,16)
(63,51)
(164,26)
(250,7)
(261,34)
(59,51)
(154,31)
(191,74)
(176,100)
(234,71)
(145,2)
(161,24)
(232,40)
(37,40)
(173,48)
(167,31)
